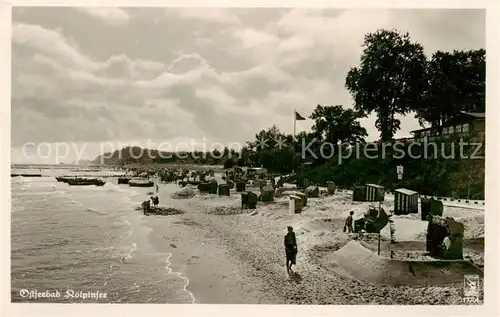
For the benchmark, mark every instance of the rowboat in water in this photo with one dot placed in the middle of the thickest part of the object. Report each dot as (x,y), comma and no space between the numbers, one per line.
(75,181)
(123,180)
(85,182)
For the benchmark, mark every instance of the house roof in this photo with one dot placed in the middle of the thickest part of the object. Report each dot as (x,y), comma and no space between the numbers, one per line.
(475,114)
(374,185)
(478,115)
(257,169)
(424,129)
(405,191)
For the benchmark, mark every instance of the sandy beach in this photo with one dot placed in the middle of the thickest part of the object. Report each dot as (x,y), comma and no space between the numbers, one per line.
(237,256)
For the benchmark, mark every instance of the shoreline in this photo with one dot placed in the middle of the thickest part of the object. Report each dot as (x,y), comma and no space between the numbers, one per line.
(211,275)
(220,254)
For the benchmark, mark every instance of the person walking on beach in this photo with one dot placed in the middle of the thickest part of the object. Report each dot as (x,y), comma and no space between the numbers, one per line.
(145,207)
(348,223)
(290,249)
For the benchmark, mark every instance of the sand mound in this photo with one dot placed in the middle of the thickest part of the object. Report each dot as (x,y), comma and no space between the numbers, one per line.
(370,237)
(185,193)
(165,211)
(206,196)
(407,229)
(411,229)
(473,226)
(228,210)
(458,212)
(358,262)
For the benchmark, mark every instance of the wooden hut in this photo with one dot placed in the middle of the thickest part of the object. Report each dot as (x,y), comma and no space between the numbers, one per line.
(331,187)
(240,187)
(405,201)
(359,193)
(224,190)
(213,186)
(267,194)
(430,206)
(375,192)
(295,203)
(249,200)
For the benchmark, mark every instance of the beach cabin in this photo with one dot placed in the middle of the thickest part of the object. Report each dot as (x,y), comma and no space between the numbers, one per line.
(375,192)
(430,207)
(405,201)
(249,200)
(368,192)
(359,193)
(240,187)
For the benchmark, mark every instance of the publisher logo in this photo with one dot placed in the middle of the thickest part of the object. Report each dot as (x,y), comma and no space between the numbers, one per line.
(472,287)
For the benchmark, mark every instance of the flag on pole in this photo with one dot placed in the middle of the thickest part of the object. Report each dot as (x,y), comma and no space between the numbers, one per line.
(298,117)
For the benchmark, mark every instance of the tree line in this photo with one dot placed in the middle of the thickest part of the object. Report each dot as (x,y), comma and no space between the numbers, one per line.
(394,77)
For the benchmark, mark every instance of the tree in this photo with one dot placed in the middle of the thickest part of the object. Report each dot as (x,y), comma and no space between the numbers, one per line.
(216,153)
(390,79)
(225,154)
(304,138)
(271,149)
(456,83)
(228,163)
(335,124)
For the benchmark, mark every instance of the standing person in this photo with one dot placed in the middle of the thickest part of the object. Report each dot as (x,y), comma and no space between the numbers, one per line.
(290,249)
(146,207)
(349,223)
(157,188)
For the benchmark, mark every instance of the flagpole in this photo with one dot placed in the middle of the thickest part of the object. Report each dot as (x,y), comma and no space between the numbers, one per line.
(294,123)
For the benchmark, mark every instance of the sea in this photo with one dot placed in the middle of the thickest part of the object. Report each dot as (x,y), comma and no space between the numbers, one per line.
(85,243)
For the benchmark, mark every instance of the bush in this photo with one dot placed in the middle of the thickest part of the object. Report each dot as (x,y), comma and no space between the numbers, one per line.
(229,163)
(428,176)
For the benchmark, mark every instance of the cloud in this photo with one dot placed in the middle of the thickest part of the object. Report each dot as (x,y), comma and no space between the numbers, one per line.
(101,100)
(227,75)
(112,16)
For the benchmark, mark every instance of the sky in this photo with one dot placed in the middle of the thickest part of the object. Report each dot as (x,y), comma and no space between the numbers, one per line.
(91,80)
